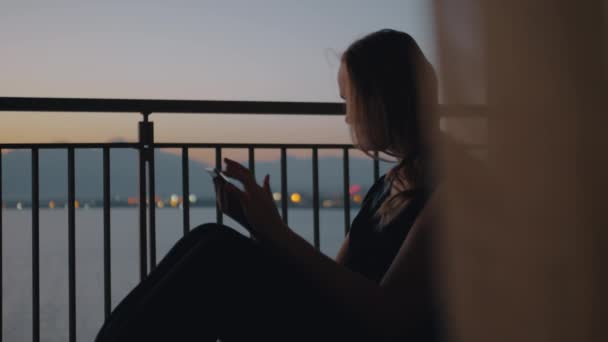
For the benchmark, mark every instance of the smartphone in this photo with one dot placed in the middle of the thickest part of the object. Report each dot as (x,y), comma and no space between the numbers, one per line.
(213,172)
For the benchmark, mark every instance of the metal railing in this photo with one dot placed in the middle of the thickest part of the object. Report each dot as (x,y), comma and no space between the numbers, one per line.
(147,192)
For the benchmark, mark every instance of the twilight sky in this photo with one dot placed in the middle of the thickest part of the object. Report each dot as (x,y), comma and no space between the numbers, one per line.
(282,50)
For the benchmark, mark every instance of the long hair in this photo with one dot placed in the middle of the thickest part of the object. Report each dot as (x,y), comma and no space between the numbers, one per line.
(392,102)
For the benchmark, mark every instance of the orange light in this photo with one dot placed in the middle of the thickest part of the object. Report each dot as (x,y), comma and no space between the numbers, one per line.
(357,198)
(296,197)
(174,201)
(328,203)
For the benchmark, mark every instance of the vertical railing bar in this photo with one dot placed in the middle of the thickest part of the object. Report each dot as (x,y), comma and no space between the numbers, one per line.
(72,244)
(376,167)
(143,262)
(186,190)
(252,160)
(284,202)
(315,196)
(35,246)
(1,254)
(151,204)
(346,169)
(219,217)
(107,266)
(251,157)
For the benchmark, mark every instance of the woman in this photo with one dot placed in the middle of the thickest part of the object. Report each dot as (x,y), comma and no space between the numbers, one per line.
(217,283)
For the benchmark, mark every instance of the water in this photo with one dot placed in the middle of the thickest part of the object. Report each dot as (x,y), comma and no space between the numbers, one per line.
(17,262)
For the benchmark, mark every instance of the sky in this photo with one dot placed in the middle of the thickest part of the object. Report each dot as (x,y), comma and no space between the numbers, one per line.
(274,50)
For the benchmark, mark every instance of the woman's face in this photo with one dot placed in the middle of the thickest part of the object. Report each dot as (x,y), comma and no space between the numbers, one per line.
(344,86)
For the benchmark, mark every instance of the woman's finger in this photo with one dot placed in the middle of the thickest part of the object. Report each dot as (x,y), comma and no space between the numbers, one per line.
(267,185)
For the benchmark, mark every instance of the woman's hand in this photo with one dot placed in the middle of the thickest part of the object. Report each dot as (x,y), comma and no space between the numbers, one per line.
(257,208)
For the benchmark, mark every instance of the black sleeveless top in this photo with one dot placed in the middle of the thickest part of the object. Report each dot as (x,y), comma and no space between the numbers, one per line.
(372,248)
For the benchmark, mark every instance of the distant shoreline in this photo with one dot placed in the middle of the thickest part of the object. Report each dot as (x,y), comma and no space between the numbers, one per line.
(14,205)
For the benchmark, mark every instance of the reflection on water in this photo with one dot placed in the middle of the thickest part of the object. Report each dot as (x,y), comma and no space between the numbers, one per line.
(17,262)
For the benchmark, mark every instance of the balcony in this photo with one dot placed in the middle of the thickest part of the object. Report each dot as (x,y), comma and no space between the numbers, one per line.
(146,150)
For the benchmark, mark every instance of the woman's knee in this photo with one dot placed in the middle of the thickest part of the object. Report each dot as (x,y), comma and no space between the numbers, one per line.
(211,229)
(209,234)
(217,233)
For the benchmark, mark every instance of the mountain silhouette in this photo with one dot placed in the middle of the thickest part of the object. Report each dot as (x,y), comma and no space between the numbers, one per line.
(124,175)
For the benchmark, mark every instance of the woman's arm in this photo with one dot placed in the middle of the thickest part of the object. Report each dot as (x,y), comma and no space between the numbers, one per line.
(387,309)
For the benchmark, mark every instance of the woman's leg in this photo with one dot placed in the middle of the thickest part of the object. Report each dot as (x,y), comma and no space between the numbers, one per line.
(181,248)
(178,253)
(218,282)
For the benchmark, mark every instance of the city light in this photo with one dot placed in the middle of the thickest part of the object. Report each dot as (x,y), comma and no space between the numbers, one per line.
(296,197)
(328,203)
(192,198)
(52,205)
(160,204)
(276,196)
(357,198)
(174,201)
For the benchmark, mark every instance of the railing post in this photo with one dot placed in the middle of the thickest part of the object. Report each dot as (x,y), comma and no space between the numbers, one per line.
(1,254)
(219,216)
(284,194)
(315,197)
(186,190)
(35,246)
(346,178)
(72,244)
(145,147)
(107,261)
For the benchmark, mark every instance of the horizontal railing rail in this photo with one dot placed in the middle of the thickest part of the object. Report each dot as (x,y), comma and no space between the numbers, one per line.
(92,105)
(146,146)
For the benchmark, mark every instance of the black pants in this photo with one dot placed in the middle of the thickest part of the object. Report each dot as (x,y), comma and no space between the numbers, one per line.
(216,283)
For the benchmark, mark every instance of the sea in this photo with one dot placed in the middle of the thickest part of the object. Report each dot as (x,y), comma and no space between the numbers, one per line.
(17,261)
